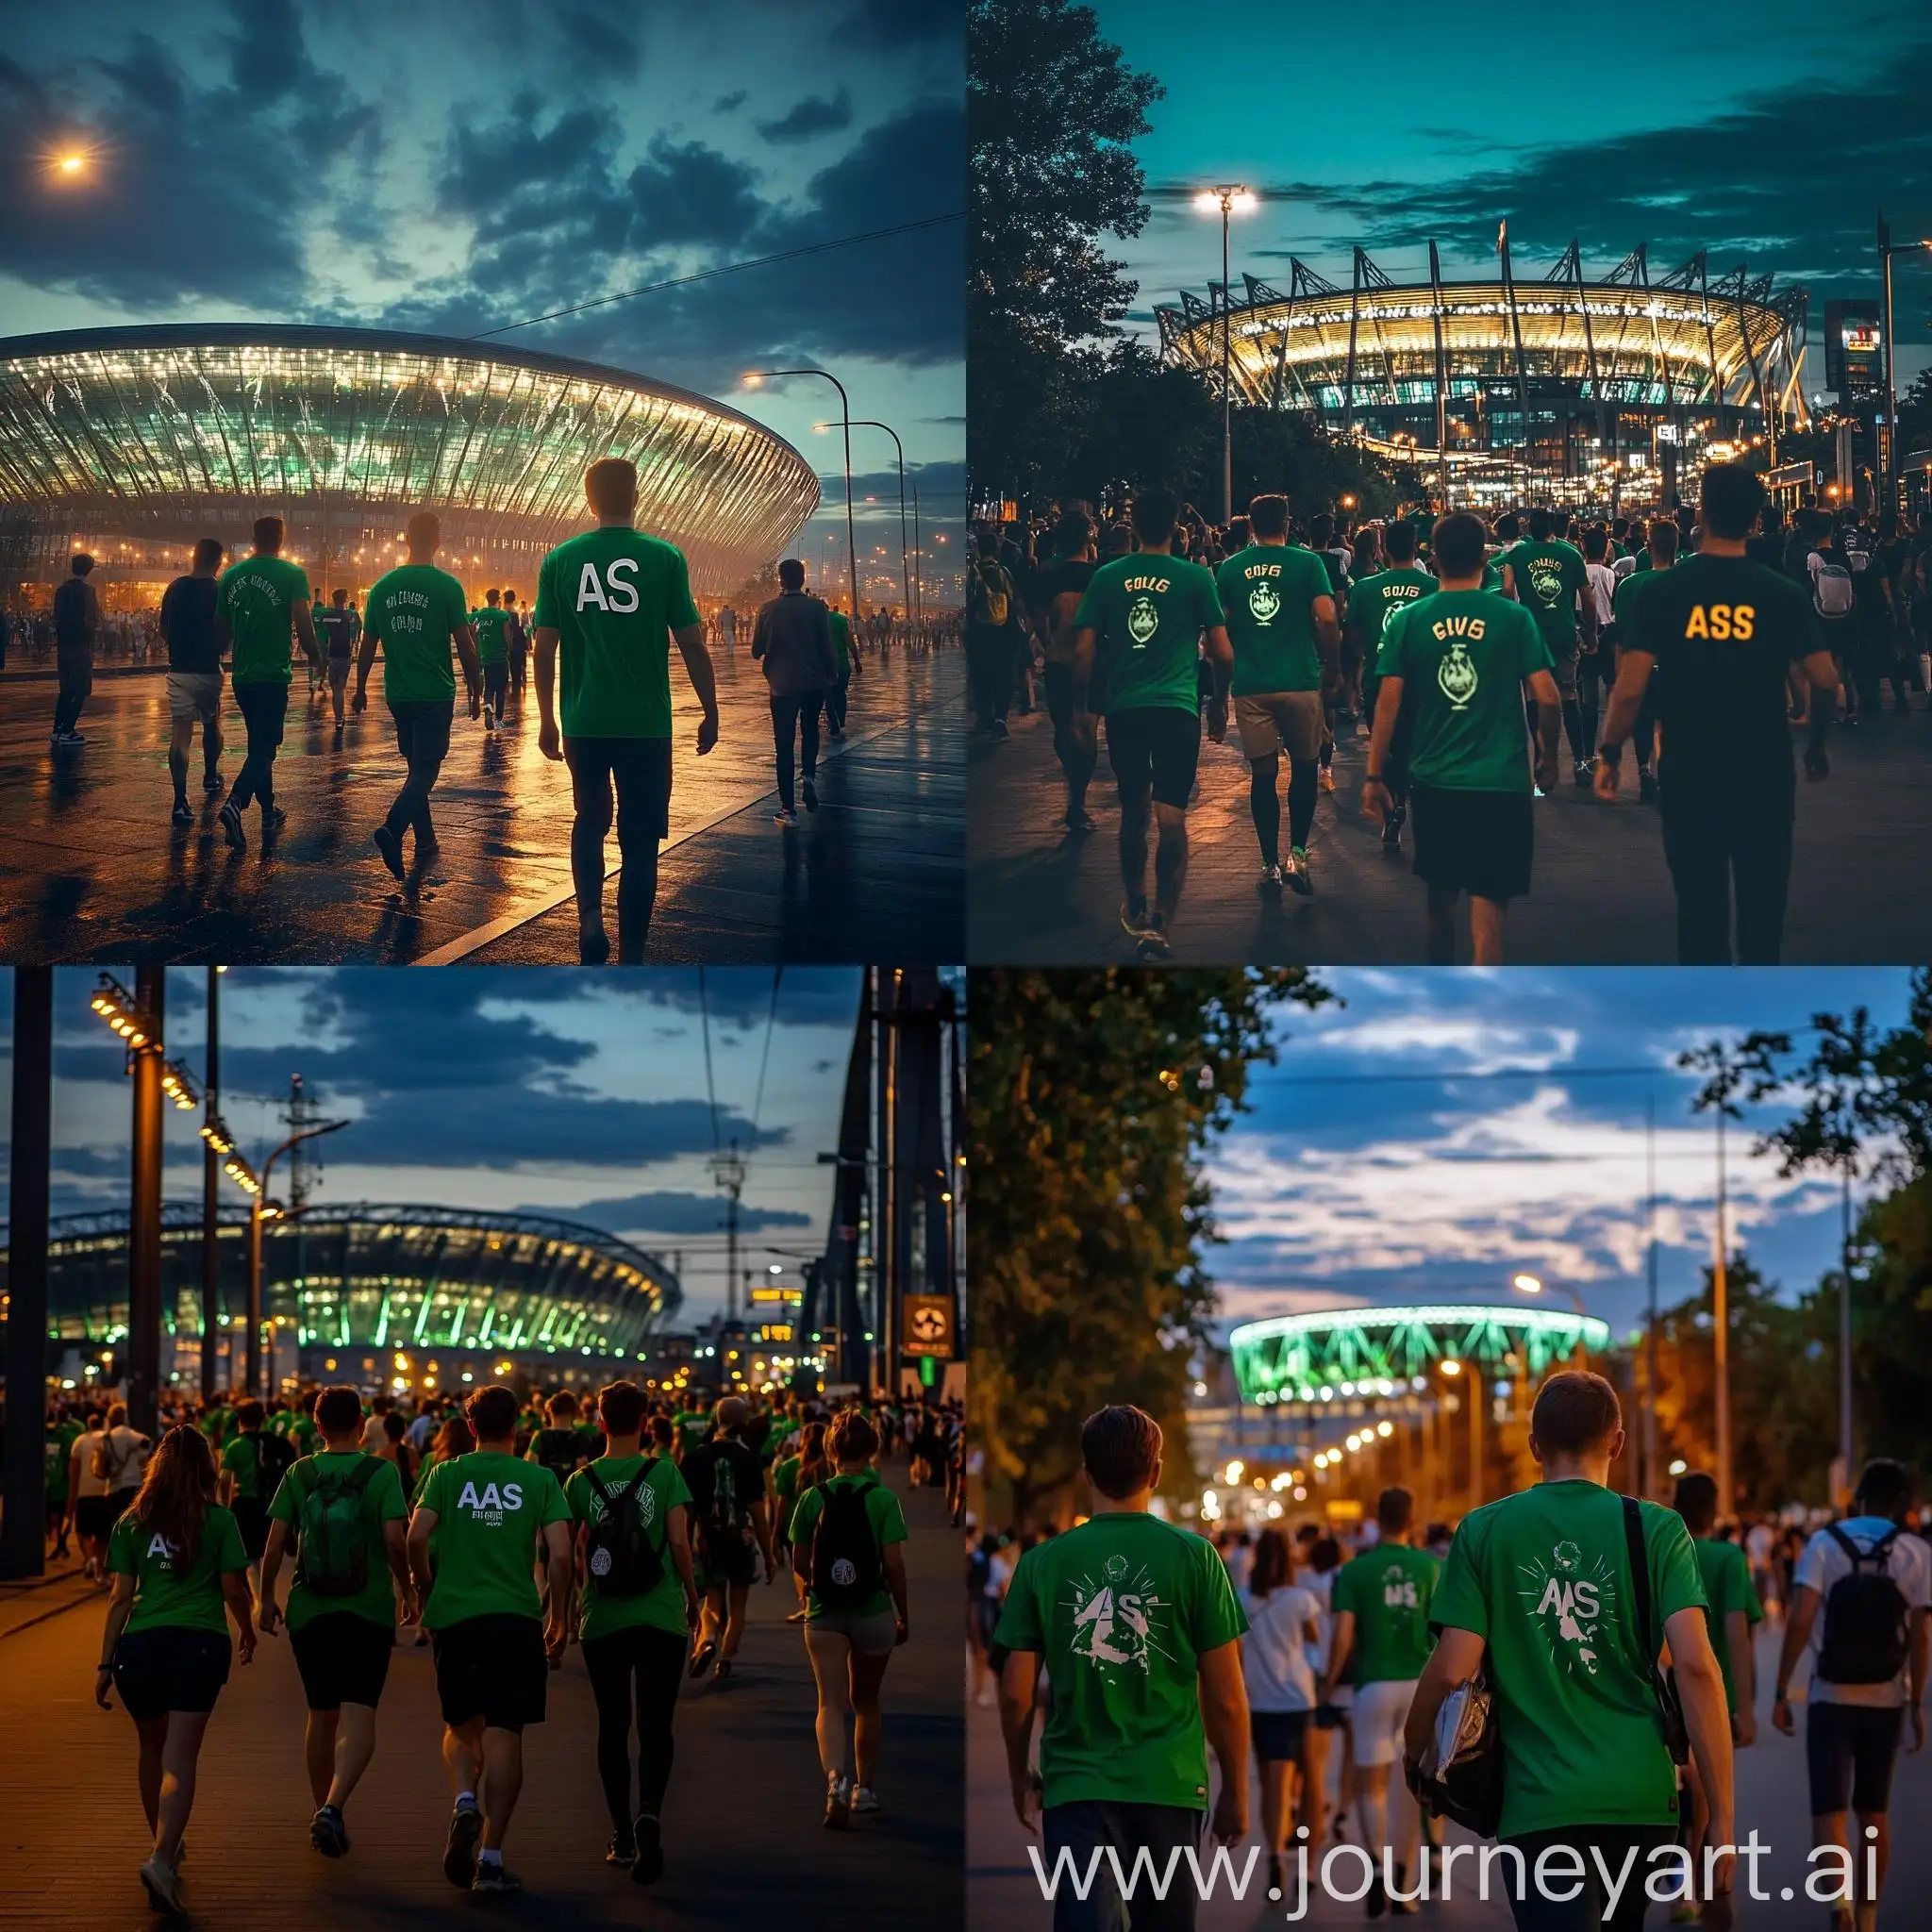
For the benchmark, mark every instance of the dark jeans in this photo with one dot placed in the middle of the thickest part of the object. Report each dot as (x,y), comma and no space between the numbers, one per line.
(264,708)
(495,684)
(639,1669)
(796,716)
(989,672)
(836,701)
(1721,848)
(76,664)
(423,737)
(1584,1914)
(1088,1828)
(639,768)
(519,670)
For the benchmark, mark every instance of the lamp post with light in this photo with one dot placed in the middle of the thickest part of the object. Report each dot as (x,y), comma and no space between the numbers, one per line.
(1888,469)
(752,380)
(1533,1284)
(1230,199)
(905,560)
(261,1209)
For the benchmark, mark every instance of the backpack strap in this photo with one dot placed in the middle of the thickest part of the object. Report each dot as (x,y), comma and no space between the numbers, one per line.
(1648,1636)
(1848,1546)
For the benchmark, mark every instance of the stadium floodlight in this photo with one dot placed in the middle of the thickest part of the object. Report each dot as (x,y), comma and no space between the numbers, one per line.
(123,1014)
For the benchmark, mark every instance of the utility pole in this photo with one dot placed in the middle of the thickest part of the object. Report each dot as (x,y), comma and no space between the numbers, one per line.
(145,1217)
(210,1195)
(1721,1328)
(23,1526)
(728,1173)
(1650,1449)
(1845,1446)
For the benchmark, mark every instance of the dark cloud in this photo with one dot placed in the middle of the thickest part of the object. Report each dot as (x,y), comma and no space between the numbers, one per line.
(899,23)
(675,1212)
(691,193)
(602,32)
(729,104)
(812,117)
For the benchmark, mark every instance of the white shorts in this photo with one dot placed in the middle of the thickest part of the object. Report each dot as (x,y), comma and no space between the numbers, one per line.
(194,696)
(1380,1712)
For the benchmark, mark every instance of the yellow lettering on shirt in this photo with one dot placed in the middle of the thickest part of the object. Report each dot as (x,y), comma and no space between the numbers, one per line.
(1459,627)
(1722,622)
(1145,583)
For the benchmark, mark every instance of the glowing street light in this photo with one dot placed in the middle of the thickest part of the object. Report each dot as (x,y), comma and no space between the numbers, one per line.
(1231,198)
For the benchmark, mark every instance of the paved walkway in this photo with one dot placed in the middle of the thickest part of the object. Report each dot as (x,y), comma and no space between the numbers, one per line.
(744,1843)
(1602,893)
(91,870)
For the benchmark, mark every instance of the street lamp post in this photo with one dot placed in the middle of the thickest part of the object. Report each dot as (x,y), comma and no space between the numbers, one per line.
(145,1217)
(1229,198)
(1888,469)
(259,1209)
(23,1527)
(210,1195)
(758,375)
(905,559)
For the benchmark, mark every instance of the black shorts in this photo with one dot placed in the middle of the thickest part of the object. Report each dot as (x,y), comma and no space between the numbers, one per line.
(94,1516)
(1478,842)
(343,1659)
(727,1558)
(494,1668)
(640,769)
(1849,1753)
(1278,1735)
(1158,748)
(170,1669)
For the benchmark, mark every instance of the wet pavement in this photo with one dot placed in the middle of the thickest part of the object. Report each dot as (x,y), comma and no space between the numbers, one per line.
(91,870)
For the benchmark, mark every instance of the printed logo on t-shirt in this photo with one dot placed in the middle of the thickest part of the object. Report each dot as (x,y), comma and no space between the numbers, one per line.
(844,1571)
(492,1502)
(1264,602)
(1398,1589)
(160,1550)
(1456,675)
(1115,1620)
(1144,620)
(1568,1603)
(1546,579)
(611,592)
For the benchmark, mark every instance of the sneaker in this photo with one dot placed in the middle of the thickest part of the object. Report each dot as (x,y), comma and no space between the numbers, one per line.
(999,728)
(273,819)
(163,1889)
(1133,916)
(864,1799)
(784,816)
(327,1833)
(838,1803)
(1377,1901)
(1078,821)
(1392,832)
(1646,789)
(624,1850)
(488,720)
(701,1658)
(391,847)
(459,1854)
(647,1865)
(812,796)
(230,821)
(1327,779)
(211,782)
(1297,872)
(593,946)
(339,738)
(722,1670)
(1583,773)
(495,1876)
(1271,878)
(181,815)
(1152,945)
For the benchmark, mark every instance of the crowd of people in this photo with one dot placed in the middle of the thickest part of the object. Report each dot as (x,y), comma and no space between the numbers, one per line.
(497,1529)
(1611,1639)
(1464,653)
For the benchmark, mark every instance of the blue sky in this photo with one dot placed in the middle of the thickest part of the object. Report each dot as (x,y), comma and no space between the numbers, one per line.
(1759,129)
(454,168)
(578,1094)
(1355,1179)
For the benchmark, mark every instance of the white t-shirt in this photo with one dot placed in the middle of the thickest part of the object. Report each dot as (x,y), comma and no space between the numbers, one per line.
(373,1436)
(1275,1653)
(1321,1586)
(123,1452)
(1603,585)
(1908,1563)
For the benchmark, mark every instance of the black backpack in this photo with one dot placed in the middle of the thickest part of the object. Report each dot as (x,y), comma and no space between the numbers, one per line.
(846,1565)
(1867,1626)
(623,1557)
(275,1457)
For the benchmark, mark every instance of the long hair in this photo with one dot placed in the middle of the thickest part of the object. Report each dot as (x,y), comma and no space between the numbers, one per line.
(812,1466)
(177,1491)
(455,1437)
(1274,1564)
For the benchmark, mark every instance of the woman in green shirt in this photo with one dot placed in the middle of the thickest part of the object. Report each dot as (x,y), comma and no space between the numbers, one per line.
(796,1472)
(176,1560)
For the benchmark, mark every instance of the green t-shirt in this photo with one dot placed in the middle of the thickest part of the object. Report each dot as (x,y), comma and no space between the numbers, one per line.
(693,1426)
(785,1487)
(882,1511)
(490,1513)
(1548,577)
(1462,657)
(1376,599)
(303,1433)
(663,1605)
(1266,592)
(258,596)
(1148,612)
(842,640)
(1623,601)
(1725,1573)
(382,1502)
(415,610)
(218,1424)
(190,1601)
(242,1460)
(613,596)
(1544,1577)
(1120,1611)
(492,634)
(1390,1589)
(61,1438)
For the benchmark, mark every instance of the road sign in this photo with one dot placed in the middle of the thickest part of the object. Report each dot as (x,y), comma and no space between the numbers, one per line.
(927,1324)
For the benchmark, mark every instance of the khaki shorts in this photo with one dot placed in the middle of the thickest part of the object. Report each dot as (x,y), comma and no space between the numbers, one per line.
(872,1635)
(194,694)
(1274,722)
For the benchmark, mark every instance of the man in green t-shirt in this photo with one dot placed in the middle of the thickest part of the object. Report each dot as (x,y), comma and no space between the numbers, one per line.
(240,1480)
(1550,579)
(1732,1608)
(262,601)
(838,698)
(608,605)
(343,1514)
(1542,1582)
(1372,600)
(1280,611)
(1137,1626)
(490,623)
(63,1432)
(494,1518)
(640,1607)
(1380,1603)
(1136,652)
(416,612)
(1463,658)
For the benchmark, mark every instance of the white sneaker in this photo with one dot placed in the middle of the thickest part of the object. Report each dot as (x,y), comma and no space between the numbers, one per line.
(163,1888)
(864,1798)
(1271,878)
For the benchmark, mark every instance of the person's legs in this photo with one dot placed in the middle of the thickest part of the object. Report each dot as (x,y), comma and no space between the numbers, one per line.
(868,1674)
(502,1783)
(734,1619)
(1134,811)
(641,768)
(152,1736)
(1486,921)
(1695,848)
(783,730)
(180,1757)
(318,1752)
(354,1745)
(660,1671)
(180,739)
(608,1661)
(1312,1811)
(828,1653)
(1439,913)
(1264,805)
(1170,859)
(809,705)
(1761,876)
(1073,1838)
(588,759)
(462,1756)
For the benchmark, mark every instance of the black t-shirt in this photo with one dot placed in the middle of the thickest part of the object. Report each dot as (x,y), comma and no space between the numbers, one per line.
(1723,631)
(701,1470)
(188,622)
(337,628)
(70,612)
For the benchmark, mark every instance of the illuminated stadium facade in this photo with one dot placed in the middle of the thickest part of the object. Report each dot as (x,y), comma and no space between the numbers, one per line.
(1584,384)
(375,1294)
(132,442)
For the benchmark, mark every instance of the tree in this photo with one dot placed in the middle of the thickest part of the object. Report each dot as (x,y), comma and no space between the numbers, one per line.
(1091,1095)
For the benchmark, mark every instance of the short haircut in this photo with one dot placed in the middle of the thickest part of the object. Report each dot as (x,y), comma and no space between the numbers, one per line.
(268,533)
(792,574)
(1540,524)
(1662,539)
(81,565)
(341,597)
(393,1427)
(491,596)
(339,1410)
(1576,1413)
(1885,1487)
(1595,545)
(562,1407)
(621,1409)
(1508,527)
(424,529)
(1321,531)
(492,1412)
(1730,500)
(208,550)
(1119,1447)
(1460,542)
(731,1413)
(610,486)
(851,1437)
(1696,1501)
(1155,512)
(249,1414)
(1073,531)
(1268,516)
(1398,540)
(1394,1509)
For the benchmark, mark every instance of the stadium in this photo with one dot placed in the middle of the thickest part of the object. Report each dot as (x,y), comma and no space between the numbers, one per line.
(374,1294)
(1589,387)
(132,442)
